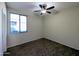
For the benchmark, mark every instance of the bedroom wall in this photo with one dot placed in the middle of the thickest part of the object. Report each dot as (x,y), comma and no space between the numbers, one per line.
(3,27)
(1,52)
(63,27)
(34,29)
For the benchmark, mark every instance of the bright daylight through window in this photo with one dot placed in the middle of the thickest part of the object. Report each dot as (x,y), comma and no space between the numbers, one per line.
(18,23)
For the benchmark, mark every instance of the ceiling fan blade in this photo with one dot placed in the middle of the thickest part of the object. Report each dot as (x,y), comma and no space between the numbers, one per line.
(41,14)
(41,6)
(50,8)
(44,6)
(37,11)
(48,12)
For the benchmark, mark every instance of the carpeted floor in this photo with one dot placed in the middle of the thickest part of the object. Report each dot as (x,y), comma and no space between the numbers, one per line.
(42,47)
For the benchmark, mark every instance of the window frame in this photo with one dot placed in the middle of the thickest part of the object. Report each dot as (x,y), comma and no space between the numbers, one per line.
(19,22)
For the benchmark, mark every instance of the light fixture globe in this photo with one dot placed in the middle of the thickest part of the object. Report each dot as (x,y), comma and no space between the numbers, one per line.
(43,11)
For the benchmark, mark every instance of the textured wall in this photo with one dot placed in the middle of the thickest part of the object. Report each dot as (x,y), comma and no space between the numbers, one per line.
(3,27)
(34,29)
(63,27)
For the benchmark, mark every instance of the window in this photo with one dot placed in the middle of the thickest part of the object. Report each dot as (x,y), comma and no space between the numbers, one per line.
(18,23)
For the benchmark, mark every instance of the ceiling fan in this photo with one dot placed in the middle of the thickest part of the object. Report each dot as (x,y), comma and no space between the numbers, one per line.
(44,9)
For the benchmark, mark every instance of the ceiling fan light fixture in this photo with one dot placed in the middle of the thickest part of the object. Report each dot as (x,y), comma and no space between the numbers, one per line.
(43,11)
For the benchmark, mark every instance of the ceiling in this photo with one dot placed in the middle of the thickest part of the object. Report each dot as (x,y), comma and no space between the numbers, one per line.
(35,5)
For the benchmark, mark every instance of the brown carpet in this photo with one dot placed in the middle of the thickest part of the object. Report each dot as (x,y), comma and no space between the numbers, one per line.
(41,47)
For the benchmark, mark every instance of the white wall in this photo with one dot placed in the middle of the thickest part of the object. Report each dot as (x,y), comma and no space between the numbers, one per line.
(1,32)
(63,27)
(34,29)
(3,27)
